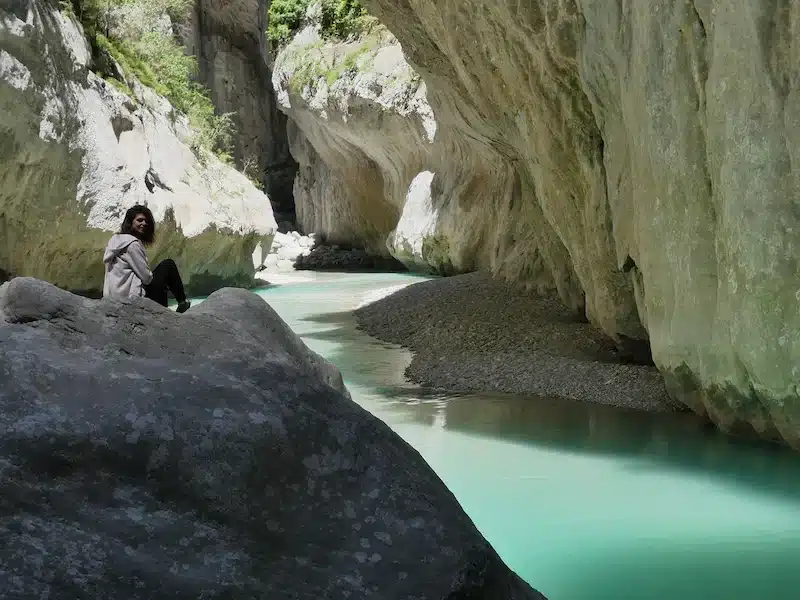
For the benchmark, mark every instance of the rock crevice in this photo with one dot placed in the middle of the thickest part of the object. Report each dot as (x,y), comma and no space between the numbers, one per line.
(228,40)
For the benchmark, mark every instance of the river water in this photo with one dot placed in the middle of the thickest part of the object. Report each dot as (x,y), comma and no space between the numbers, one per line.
(584,502)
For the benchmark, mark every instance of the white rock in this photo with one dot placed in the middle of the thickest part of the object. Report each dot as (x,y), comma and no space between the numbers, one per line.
(417,221)
(271,260)
(13,72)
(150,145)
(283,238)
(289,252)
(258,256)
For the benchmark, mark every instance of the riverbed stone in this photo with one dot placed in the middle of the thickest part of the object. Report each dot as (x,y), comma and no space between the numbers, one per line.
(146,454)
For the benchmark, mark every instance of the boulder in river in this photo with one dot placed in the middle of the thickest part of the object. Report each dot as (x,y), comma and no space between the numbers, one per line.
(324,257)
(146,454)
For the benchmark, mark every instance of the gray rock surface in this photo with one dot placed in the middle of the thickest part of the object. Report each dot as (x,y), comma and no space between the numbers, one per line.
(146,454)
(336,258)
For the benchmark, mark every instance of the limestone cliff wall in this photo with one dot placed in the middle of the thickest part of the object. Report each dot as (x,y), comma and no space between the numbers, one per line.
(650,151)
(227,38)
(639,157)
(76,153)
(360,129)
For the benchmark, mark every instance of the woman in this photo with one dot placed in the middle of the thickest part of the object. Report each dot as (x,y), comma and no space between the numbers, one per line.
(127,271)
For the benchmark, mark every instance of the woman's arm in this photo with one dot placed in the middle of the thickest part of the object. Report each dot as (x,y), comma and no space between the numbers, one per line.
(137,259)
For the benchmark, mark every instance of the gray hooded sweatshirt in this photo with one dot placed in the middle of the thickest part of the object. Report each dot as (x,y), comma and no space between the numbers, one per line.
(126,266)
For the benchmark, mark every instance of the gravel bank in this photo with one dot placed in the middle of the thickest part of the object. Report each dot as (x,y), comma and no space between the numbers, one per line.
(472,333)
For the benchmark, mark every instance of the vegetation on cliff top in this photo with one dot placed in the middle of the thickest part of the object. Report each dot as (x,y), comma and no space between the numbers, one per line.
(313,68)
(338,19)
(138,36)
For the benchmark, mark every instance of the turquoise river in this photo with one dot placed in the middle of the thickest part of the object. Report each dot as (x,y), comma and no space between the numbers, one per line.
(584,502)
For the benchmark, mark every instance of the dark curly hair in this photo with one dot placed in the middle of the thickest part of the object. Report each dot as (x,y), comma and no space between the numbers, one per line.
(149,236)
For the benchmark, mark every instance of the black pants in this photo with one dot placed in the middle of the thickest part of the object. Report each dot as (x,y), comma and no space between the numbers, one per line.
(166,278)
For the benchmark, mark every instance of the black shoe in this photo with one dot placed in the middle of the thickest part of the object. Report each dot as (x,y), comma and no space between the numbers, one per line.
(183,306)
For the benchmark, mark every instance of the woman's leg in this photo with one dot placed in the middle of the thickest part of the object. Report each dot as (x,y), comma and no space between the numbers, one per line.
(166,277)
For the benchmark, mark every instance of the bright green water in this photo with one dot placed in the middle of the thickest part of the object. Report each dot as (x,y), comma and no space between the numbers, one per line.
(583,502)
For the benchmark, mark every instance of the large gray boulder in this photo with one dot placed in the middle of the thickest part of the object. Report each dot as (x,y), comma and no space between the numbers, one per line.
(146,454)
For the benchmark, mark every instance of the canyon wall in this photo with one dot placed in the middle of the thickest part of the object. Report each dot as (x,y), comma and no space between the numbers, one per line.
(227,38)
(77,151)
(641,158)
(359,126)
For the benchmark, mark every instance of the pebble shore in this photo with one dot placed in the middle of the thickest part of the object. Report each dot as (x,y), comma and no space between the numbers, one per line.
(474,333)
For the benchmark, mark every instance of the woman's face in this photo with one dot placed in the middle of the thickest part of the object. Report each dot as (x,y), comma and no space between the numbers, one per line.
(140,225)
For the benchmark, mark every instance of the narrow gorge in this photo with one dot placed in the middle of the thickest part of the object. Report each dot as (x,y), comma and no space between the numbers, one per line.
(640,160)
(484,299)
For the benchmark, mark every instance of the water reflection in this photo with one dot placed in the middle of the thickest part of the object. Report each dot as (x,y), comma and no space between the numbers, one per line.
(678,441)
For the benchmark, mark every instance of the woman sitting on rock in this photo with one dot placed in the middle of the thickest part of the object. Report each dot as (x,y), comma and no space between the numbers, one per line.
(127,270)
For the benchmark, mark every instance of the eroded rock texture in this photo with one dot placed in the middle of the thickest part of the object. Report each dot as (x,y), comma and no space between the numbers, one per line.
(146,454)
(640,157)
(77,152)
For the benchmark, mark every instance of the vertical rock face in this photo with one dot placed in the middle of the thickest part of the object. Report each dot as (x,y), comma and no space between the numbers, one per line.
(643,155)
(228,40)
(359,127)
(76,152)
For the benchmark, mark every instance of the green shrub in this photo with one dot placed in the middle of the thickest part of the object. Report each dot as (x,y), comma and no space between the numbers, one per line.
(99,16)
(130,62)
(340,19)
(173,70)
(212,132)
(285,18)
(349,64)
(307,73)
